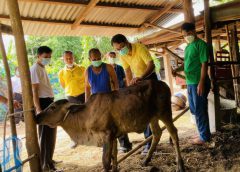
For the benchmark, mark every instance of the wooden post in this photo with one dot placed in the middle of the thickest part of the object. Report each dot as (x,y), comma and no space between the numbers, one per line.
(188,11)
(30,127)
(234,56)
(168,72)
(208,36)
(10,92)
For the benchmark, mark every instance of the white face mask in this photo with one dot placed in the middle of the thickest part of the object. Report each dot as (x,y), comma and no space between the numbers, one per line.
(70,65)
(189,39)
(112,60)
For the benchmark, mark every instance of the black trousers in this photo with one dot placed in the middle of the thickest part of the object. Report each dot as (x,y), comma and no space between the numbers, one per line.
(47,138)
(148,131)
(80,99)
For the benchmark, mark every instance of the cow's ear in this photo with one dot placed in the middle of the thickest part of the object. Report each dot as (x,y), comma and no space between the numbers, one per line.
(75,107)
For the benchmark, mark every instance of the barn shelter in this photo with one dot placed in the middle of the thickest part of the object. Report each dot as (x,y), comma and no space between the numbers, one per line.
(108,17)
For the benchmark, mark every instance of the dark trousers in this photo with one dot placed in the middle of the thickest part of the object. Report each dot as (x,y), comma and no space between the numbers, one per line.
(80,99)
(18,117)
(199,107)
(148,132)
(47,138)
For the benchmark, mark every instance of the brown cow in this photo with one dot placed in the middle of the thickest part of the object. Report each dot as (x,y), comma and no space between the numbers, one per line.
(106,116)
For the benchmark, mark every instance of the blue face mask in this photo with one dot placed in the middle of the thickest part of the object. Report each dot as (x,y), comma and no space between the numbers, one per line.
(124,51)
(96,63)
(45,61)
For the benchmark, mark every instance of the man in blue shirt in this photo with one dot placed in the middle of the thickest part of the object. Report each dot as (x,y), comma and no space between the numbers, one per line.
(125,144)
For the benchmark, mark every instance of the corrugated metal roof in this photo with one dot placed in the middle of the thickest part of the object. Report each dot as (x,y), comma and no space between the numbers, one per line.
(56,18)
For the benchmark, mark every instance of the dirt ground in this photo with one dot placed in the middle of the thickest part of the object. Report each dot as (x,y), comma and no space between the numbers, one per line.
(222,154)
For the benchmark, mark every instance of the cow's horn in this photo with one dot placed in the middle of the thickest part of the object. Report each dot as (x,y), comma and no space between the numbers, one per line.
(65,117)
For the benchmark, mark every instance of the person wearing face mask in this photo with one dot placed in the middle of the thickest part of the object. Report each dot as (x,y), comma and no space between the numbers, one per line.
(42,98)
(17,94)
(195,67)
(99,76)
(125,144)
(72,79)
(138,65)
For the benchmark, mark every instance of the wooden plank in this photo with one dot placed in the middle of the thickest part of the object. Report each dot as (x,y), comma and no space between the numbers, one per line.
(112,5)
(160,27)
(83,14)
(30,127)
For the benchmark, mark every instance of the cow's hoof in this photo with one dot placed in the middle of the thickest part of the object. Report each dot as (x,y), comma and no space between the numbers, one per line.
(180,166)
(145,162)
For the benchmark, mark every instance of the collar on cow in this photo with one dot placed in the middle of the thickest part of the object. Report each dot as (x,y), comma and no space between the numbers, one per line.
(65,117)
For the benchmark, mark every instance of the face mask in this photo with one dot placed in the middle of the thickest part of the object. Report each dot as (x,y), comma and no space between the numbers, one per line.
(17,73)
(69,65)
(96,63)
(189,39)
(45,61)
(124,51)
(112,60)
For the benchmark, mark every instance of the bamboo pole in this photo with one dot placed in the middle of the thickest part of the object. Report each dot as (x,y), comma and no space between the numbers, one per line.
(30,127)
(150,137)
(10,95)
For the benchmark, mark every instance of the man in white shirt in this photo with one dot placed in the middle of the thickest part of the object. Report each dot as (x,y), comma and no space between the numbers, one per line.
(17,94)
(43,97)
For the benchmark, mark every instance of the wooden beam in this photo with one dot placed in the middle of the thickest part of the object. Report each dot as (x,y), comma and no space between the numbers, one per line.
(208,36)
(163,11)
(30,127)
(83,14)
(168,71)
(6,29)
(160,27)
(63,22)
(112,5)
(188,11)
(173,54)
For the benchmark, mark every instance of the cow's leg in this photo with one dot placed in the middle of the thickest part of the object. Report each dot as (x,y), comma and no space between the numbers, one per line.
(173,133)
(114,156)
(107,153)
(157,133)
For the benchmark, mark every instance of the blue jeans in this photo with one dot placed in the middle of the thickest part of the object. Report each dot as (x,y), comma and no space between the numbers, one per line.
(199,107)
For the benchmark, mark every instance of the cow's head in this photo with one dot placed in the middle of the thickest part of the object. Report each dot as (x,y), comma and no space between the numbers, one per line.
(57,112)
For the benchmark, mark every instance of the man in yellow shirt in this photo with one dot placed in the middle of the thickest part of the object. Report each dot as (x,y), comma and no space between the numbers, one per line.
(138,65)
(72,79)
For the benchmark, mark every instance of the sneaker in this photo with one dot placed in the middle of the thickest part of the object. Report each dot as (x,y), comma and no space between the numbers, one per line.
(145,150)
(73,145)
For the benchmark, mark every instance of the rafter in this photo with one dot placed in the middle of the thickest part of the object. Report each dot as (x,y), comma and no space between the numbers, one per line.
(64,22)
(5,29)
(121,5)
(83,14)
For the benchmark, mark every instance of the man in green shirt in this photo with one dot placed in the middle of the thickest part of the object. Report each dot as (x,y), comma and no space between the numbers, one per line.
(198,83)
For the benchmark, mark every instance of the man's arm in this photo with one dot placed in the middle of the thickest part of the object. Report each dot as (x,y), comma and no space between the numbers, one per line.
(204,70)
(87,87)
(149,70)
(113,77)
(129,76)
(35,88)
